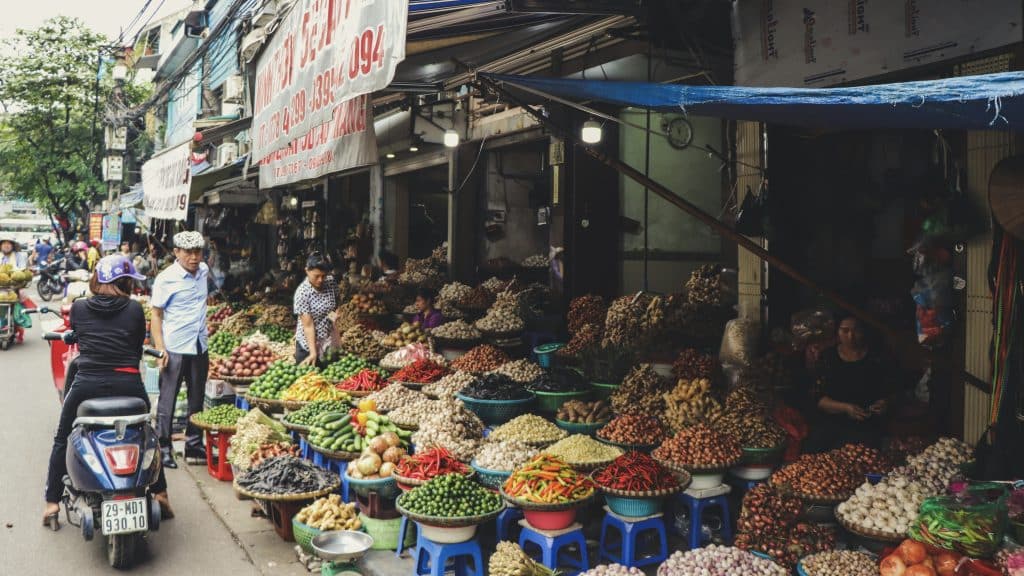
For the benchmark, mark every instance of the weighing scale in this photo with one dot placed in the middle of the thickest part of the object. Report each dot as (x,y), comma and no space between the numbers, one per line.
(341,551)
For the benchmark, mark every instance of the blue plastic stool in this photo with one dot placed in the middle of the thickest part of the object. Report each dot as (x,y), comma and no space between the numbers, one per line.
(626,551)
(296,437)
(341,467)
(402,528)
(432,557)
(319,459)
(552,543)
(241,402)
(697,505)
(506,522)
(305,451)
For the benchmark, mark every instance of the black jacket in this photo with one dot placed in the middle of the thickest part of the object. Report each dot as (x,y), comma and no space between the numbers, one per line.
(75,262)
(111,332)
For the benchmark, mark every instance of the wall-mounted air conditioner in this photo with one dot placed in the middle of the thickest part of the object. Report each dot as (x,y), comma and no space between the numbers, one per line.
(230,109)
(234,89)
(227,153)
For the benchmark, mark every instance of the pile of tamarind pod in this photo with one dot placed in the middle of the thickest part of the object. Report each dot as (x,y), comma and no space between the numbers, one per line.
(693,365)
(640,392)
(581,412)
(584,310)
(689,403)
(751,430)
(745,400)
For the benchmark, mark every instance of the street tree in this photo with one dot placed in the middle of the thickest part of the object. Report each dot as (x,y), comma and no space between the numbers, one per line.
(51,128)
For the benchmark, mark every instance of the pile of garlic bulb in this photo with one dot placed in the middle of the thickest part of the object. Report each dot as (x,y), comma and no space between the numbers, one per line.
(936,466)
(889,506)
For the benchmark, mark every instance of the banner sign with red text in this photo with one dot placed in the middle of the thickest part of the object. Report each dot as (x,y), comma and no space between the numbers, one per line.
(167,183)
(311,112)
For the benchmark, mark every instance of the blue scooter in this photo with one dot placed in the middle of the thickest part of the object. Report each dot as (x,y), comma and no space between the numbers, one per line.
(113,458)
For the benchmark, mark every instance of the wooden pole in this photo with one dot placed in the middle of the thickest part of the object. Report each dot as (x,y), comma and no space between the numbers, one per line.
(696,212)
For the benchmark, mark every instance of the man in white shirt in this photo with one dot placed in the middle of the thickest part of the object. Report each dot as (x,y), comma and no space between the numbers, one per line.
(179,330)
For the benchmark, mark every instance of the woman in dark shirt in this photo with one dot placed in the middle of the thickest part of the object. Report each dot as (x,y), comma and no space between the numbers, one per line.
(111,330)
(857,385)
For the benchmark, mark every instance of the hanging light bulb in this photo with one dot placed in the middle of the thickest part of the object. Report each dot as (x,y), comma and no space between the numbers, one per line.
(451,138)
(390,155)
(591,133)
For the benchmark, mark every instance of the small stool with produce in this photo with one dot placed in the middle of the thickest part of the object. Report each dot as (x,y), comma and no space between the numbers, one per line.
(218,426)
(283,486)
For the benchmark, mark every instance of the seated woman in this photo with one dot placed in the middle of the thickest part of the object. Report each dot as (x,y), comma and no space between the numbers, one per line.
(857,388)
(427,317)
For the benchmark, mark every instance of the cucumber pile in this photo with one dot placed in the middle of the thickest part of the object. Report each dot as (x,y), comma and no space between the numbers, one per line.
(343,432)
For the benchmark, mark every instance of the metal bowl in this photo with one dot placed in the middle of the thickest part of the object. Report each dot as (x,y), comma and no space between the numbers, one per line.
(342,545)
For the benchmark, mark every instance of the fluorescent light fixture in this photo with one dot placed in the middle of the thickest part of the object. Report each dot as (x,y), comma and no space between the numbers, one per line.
(451,138)
(389,155)
(414,147)
(591,133)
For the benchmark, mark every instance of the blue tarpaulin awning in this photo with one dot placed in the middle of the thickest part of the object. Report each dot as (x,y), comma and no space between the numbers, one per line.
(990,101)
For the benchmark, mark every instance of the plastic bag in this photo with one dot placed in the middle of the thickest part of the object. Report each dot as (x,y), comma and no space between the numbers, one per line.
(932,324)
(972,524)
(811,325)
(739,342)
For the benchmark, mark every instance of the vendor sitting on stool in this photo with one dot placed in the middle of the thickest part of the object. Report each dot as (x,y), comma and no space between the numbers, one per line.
(427,317)
(856,390)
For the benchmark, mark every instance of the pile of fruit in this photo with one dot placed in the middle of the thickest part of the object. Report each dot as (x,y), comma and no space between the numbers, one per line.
(582,412)
(278,377)
(407,333)
(640,393)
(824,477)
(223,415)
(222,344)
(635,472)
(344,367)
(277,332)
(11,278)
(379,458)
(634,429)
(588,310)
(363,343)
(245,361)
(769,523)
(215,316)
(913,558)
(421,372)
(308,413)
(481,359)
(352,431)
(313,386)
(436,461)
(368,304)
(329,514)
(366,380)
(693,365)
(699,448)
(689,403)
(451,496)
(548,480)
(588,337)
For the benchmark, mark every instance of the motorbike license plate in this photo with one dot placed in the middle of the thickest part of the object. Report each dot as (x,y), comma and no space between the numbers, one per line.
(124,516)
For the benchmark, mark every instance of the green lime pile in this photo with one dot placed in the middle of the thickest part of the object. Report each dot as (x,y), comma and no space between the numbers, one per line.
(276,333)
(347,366)
(308,414)
(451,496)
(278,377)
(223,415)
(222,343)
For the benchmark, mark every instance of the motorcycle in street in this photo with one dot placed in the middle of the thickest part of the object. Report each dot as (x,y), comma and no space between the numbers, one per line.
(51,280)
(112,460)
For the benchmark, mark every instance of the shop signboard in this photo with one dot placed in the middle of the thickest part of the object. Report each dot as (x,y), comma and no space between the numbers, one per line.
(828,42)
(111,233)
(95,226)
(312,114)
(166,181)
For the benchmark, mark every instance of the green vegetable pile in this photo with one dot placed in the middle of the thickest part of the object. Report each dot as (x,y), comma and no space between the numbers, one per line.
(308,414)
(278,377)
(222,343)
(223,415)
(338,431)
(349,365)
(276,333)
(451,496)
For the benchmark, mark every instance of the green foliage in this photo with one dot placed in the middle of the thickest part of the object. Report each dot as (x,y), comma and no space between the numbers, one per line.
(49,151)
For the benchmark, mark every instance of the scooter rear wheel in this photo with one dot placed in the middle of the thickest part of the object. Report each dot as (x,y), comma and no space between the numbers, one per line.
(45,291)
(121,549)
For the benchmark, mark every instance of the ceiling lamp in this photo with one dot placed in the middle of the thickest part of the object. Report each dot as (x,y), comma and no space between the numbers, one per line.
(591,133)
(390,155)
(451,138)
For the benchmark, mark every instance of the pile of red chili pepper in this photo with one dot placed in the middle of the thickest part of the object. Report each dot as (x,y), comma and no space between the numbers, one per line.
(548,480)
(635,472)
(429,463)
(366,380)
(422,371)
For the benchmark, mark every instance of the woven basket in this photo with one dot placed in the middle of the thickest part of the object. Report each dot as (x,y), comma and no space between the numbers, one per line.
(458,522)
(288,497)
(413,482)
(682,476)
(867,534)
(212,427)
(241,380)
(490,478)
(334,455)
(527,505)
(587,468)
(771,455)
(265,404)
(304,535)
(495,412)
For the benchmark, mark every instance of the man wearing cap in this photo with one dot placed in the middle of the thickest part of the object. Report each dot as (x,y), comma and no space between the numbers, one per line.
(179,329)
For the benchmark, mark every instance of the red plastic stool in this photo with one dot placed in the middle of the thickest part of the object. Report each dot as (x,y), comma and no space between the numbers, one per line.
(218,467)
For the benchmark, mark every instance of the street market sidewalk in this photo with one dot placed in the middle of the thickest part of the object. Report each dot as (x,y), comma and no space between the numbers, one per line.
(256,536)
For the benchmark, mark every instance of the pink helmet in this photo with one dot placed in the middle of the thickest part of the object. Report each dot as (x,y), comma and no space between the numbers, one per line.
(79,246)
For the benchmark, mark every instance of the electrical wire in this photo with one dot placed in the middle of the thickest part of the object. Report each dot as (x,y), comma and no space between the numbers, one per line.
(132,22)
(472,169)
(146,23)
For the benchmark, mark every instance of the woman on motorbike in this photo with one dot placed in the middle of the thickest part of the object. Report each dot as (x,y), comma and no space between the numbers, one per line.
(77,259)
(111,331)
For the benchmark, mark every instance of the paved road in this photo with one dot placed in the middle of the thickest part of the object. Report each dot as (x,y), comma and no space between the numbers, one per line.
(196,542)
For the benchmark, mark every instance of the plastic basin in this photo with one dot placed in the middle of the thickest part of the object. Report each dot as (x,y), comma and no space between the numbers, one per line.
(705,481)
(444,535)
(633,507)
(603,390)
(551,401)
(545,520)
